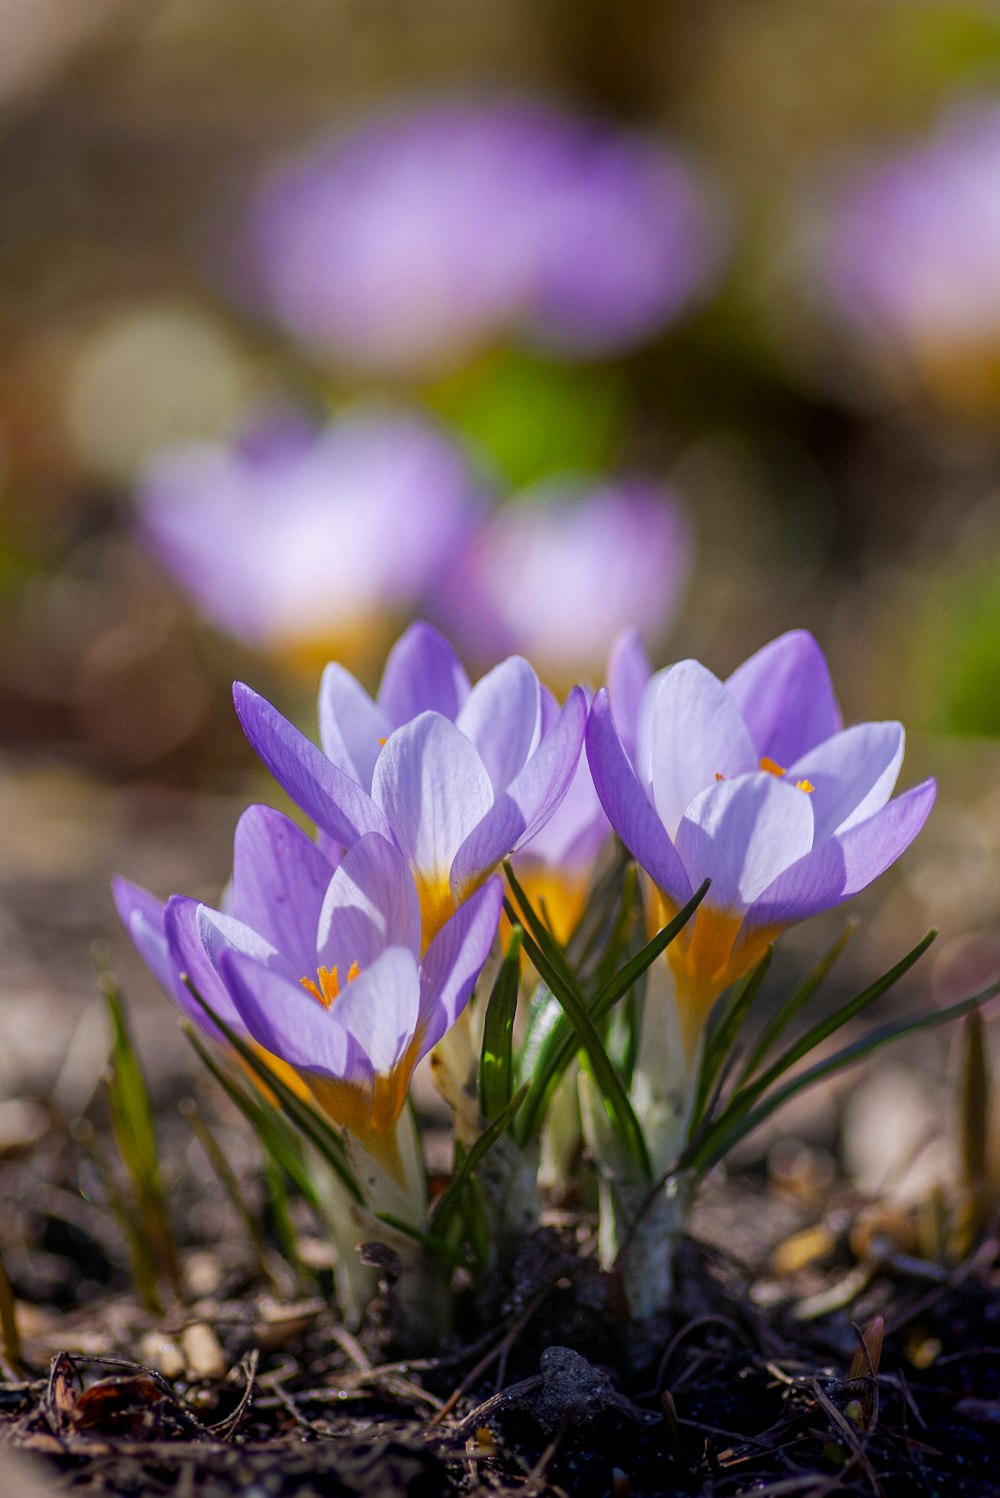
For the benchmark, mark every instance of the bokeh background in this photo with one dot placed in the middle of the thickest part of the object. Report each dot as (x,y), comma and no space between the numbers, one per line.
(812,411)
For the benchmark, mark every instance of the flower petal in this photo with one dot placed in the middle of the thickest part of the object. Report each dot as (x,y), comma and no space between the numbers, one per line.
(422,674)
(629,809)
(741,834)
(528,801)
(454,960)
(844,864)
(786,697)
(189,955)
(502,717)
(697,737)
(334,801)
(628,675)
(285,1018)
(852,775)
(380,1010)
(352,728)
(432,788)
(280,878)
(142,915)
(371,903)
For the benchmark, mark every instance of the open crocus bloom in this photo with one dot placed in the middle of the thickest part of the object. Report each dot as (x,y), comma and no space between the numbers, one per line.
(422,235)
(322,967)
(559,571)
(754,784)
(249,529)
(455,776)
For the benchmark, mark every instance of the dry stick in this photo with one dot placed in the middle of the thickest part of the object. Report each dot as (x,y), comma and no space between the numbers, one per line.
(505,1343)
(849,1434)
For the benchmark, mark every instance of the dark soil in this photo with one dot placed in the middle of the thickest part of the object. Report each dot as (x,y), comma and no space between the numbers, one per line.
(745,1389)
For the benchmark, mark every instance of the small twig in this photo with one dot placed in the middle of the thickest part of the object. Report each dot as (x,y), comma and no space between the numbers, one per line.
(227,1428)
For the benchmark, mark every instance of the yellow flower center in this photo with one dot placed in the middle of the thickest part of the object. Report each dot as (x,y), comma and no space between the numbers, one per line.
(771,767)
(326,986)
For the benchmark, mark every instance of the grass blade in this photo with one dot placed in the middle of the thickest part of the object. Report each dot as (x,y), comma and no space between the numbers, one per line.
(717,1052)
(794,1004)
(703,1159)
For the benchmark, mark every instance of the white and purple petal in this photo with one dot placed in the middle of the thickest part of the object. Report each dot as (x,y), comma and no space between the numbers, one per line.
(528,801)
(741,834)
(697,737)
(844,864)
(785,695)
(432,789)
(852,774)
(371,903)
(334,801)
(280,879)
(422,674)
(454,960)
(502,715)
(629,809)
(352,728)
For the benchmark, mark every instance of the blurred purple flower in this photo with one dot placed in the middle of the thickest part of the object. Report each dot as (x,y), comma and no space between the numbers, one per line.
(910,245)
(309,541)
(455,776)
(322,968)
(754,784)
(557,574)
(426,233)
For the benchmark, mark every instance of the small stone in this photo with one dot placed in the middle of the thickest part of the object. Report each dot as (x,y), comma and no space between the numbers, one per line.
(203,1354)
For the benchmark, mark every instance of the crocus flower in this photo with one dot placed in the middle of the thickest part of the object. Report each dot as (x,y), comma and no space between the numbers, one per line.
(754,784)
(421,235)
(909,249)
(455,776)
(322,968)
(307,540)
(558,573)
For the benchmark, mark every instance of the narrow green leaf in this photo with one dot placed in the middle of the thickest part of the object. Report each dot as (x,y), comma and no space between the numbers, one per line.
(703,1159)
(794,1004)
(230,1184)
(588,1040)
(721,1035)
(543,937)
(744,1099)
(135,1136)
(495,1062)
(307,1119)
(270,1126)
(448,1202)
(430,1241)
(551,1044)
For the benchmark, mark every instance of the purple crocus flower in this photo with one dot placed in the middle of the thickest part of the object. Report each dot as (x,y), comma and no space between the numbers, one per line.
(456,776)
(306,539)
(754,784)
(557,574)
(910,248)
(322,967)
(423,234)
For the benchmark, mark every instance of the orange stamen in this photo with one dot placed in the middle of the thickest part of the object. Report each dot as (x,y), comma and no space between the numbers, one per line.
(328,987)
(771,767)
(805,785)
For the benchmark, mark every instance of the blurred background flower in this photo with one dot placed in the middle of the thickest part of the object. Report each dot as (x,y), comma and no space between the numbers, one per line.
(312,542)
(557,572)
(426,234)
(908,252)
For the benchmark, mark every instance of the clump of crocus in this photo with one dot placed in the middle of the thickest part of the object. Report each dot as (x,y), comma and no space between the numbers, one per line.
(557,573)
(456,776)
(907,252)
(310,541)
(424,234)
